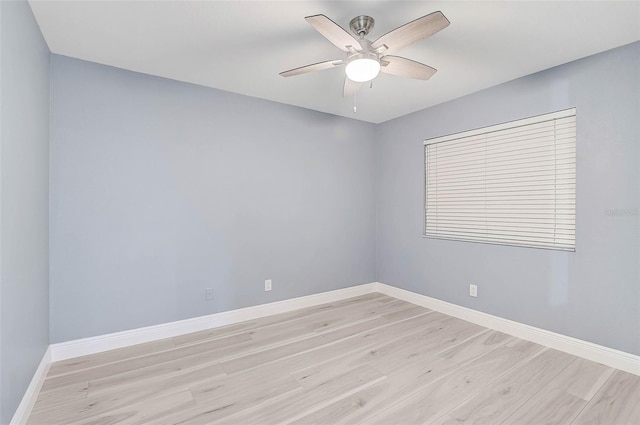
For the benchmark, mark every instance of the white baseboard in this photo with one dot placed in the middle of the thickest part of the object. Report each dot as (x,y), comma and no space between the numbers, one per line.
(598,353)
(31,395)
(588,350)
(100,343)
(70,349)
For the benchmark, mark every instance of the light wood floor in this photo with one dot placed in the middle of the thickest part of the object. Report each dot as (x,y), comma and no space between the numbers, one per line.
(370,359)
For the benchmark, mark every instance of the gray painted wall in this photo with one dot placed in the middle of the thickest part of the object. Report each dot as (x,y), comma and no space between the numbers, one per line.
(24,197)
(160,189)
(592,294)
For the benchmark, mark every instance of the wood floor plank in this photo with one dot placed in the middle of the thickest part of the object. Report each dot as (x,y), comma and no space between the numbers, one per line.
(86,362)
(356,343)
(433,401)
(395,355)
(369,355)
(617,402)
(314,397)
(479,345)
(227,396)
(560,401)
(548,406)
(283,318)
(83,410)
(421,345)
(512,390)
(221,348)
(184,372)
(214,348)
(387,309)
(65,395)
(362,405)
(404,313)
(582,378)
(275,337)
(257,359)
(324,320)
(145,412)
(364,360)
(90,361)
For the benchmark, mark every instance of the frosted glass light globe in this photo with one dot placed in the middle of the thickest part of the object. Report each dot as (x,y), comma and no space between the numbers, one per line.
(362,70)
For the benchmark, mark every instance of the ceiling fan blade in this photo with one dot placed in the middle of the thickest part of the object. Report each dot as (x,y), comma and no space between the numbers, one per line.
(350,87)
(411,32)
(333,32)
(313,67)
(403,67)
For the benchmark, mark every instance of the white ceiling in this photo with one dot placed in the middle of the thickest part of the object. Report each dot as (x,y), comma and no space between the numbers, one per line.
(241,46)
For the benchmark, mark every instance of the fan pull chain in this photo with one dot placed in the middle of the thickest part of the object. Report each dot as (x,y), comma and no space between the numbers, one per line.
(355,99)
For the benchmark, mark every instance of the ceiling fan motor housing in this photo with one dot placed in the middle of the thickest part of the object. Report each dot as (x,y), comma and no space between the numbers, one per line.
(361,25)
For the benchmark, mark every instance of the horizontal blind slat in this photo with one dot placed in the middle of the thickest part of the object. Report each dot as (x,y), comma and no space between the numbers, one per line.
(512,185)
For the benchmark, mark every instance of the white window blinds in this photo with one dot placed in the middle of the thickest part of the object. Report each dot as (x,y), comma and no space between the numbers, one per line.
(510,184)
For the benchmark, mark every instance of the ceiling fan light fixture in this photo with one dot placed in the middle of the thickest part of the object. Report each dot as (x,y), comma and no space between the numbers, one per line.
(363,68)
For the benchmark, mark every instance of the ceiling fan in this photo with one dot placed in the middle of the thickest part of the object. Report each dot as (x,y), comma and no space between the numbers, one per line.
(366,58)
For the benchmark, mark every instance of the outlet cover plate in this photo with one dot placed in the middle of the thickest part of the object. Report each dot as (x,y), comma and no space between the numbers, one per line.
(267,285)
(473,290)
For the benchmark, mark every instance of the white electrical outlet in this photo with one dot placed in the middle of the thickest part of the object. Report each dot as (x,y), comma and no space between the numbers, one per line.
(209,294)
(473,290)
(267,285)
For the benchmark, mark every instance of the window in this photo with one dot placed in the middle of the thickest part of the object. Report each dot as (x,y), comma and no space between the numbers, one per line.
(509,184)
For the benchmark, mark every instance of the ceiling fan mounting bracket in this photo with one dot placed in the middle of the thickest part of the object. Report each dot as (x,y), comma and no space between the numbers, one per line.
(361,25)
